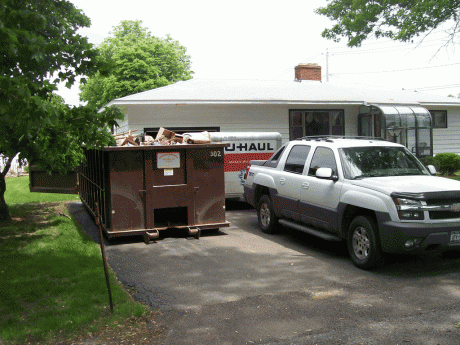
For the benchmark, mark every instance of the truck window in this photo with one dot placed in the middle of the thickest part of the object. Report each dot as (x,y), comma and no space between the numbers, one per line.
(273,161)
(322,158)
(297,158)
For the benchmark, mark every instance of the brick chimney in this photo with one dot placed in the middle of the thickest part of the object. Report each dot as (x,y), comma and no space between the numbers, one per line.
(308,71)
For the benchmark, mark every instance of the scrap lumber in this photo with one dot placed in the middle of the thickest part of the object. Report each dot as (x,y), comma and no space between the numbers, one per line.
(164,137)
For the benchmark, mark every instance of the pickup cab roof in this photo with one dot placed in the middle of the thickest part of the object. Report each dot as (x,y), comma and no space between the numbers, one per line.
(342,141)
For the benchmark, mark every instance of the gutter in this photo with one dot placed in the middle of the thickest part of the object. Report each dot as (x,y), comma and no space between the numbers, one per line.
(249,102)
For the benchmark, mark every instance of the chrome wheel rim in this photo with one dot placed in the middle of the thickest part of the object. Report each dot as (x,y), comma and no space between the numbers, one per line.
(361,243)
(264,215)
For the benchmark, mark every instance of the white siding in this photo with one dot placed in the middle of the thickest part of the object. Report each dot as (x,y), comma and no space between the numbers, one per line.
(230,118)
(447,139)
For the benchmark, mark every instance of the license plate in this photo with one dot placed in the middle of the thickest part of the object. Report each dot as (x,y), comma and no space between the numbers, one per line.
(455,236)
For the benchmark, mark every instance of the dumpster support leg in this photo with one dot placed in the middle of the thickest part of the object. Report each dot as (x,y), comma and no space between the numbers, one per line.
(151,236)
(196,232)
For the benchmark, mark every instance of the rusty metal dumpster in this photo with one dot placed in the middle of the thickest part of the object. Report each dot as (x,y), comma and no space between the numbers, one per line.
(146,189)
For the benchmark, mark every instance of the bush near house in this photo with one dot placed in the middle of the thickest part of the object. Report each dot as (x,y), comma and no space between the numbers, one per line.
(429,160)
(447,163)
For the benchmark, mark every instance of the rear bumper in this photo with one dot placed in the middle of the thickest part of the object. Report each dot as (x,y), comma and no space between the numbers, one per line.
(248,195)
(434,236)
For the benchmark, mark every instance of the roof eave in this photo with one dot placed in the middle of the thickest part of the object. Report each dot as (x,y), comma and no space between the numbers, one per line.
(227,102)
(440,104)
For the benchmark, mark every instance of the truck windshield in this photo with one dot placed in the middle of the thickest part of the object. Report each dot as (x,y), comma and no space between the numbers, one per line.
(362,162)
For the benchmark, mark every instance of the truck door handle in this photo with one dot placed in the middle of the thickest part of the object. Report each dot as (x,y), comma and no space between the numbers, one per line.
(282,180)
(305,185)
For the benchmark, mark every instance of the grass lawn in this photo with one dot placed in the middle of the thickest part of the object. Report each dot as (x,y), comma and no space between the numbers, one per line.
(52,282)
(17,192)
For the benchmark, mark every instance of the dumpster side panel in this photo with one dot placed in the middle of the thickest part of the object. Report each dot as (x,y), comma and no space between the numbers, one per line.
(167,190)
(126,170)
(92,185)
(43,182)
(205,171)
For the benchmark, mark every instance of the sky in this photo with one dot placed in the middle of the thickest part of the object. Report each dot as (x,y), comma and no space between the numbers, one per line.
(265,40)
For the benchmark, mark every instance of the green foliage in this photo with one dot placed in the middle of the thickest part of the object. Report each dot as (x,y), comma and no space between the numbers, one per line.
(39,40)
(447,163)
(429,160)
(138,62)
(399,20)
(40,48)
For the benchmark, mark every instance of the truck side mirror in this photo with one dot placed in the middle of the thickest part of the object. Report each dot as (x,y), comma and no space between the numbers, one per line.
(431,169)
(326,174)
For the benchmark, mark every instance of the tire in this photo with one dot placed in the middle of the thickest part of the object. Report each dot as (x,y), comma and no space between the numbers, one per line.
(268,222)
(363,243)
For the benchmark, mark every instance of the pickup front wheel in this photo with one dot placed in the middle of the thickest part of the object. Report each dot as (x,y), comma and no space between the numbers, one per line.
(268,222)
(363,244)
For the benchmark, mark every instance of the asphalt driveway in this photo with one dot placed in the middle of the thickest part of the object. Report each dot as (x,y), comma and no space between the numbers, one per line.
(240,286)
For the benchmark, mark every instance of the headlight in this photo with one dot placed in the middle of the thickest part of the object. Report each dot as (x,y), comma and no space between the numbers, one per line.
(409,209)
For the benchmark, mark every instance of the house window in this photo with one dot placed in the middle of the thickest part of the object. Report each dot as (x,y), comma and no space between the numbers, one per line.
(315,122)
(439,118)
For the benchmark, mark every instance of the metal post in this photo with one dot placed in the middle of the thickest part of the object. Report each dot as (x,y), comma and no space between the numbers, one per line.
(104,258)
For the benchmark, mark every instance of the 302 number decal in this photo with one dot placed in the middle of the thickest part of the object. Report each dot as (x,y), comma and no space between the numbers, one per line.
(216,153)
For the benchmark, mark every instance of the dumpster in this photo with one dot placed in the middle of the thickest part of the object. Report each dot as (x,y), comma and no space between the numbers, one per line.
(147,189)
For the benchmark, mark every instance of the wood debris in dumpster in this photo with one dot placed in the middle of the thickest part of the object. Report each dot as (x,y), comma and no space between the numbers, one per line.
(164,137)
(127,139)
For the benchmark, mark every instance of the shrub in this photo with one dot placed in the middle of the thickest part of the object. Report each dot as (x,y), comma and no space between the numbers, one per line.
(448,163)
(429,160)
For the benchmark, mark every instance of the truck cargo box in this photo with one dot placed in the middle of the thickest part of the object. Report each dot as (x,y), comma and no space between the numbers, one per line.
(243,147)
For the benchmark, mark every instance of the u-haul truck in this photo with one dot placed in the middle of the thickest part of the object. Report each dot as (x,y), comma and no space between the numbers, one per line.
(244,146)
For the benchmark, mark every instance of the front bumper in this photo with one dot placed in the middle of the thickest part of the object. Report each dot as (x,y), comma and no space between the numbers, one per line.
(435,236)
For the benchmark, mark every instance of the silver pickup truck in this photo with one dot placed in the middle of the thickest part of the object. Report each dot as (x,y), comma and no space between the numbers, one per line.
(372,193)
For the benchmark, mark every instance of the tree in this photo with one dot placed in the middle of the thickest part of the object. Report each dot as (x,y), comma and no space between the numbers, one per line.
(139,62)
(400,20)
(39,40)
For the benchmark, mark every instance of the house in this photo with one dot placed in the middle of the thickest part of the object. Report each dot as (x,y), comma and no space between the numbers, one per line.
(426,124)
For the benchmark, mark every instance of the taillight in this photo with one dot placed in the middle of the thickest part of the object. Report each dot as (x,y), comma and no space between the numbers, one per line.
(247,172)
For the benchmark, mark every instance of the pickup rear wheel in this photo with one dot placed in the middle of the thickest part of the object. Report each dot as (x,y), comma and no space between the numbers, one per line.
(268,221)
(363,244)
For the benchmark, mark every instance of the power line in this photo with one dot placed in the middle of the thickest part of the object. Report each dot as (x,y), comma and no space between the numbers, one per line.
(422,44)
(439,87)
(383,50)
(399,70)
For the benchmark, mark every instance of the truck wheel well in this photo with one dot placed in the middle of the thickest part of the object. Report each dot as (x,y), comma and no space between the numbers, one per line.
(352,212)
(259,191)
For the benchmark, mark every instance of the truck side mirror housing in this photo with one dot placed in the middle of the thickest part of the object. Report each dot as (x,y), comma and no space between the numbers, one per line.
(326,174)
(431,169)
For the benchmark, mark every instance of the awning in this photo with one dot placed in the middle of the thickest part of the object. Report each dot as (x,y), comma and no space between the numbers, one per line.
(400,116)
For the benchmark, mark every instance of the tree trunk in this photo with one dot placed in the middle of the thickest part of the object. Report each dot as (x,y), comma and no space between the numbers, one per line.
(5,215)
